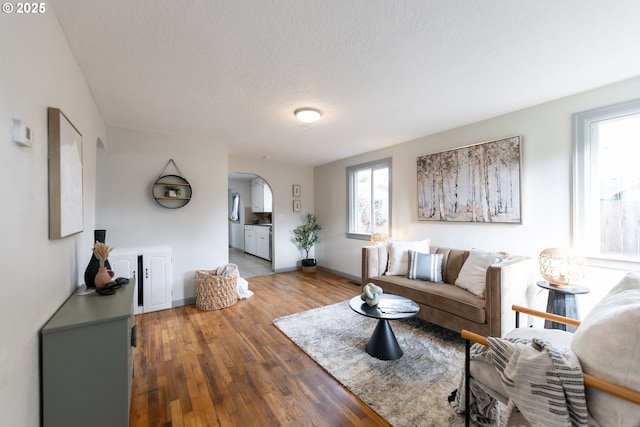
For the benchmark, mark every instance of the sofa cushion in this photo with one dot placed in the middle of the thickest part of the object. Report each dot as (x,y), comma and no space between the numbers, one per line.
(452,261)
(399,256)
(607,343)
(425,266)
(473,275)
(445,297)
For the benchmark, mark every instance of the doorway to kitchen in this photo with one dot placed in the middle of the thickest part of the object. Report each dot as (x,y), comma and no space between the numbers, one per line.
(249,265)
(250,224)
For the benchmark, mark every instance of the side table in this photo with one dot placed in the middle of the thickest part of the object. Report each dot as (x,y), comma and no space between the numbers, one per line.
(562,301)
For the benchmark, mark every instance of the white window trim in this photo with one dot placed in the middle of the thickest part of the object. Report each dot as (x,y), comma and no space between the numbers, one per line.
(350,202)
(583,181)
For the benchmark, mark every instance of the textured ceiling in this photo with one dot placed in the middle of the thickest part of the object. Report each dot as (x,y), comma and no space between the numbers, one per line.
(382,71)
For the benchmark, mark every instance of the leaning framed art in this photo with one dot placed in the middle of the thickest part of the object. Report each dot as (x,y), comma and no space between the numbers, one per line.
(65,176)
(476,183)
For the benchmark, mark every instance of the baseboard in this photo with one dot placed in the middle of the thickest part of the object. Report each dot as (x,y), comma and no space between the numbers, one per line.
(192,300)
(340,273)
(182,302)
(285,270)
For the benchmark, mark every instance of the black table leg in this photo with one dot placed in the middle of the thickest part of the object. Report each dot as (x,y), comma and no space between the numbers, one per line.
(383,344)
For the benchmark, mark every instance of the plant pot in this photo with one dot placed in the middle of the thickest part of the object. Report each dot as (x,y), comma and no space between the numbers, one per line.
(309,265)
(103,277)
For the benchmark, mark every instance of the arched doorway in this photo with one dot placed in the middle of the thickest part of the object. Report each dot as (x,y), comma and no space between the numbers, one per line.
(250,224)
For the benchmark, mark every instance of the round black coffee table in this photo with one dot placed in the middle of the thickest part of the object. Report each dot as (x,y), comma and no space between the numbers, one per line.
(383,344)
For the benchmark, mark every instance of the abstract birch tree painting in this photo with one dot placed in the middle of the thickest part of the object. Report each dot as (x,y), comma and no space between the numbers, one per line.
(477,183)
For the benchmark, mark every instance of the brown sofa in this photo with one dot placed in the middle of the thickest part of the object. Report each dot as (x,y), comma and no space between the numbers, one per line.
(448,305)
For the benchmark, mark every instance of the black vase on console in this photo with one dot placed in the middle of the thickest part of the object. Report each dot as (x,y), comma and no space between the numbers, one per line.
(92,269)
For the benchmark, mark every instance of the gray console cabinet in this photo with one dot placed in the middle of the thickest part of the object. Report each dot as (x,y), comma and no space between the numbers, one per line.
(87,361)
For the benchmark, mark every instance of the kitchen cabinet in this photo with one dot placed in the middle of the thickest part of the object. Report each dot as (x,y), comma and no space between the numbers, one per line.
(87,360)
(263,238)
(250,240)
(261,197)
(151,267)
(257,240)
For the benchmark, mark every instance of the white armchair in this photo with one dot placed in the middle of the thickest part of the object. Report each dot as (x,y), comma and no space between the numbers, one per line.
(605,347)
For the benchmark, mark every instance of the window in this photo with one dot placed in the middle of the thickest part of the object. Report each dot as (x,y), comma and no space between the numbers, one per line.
(606,221)
(235,208)
(369,195)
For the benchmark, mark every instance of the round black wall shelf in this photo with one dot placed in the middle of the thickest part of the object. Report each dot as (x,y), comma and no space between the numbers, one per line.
(171,191)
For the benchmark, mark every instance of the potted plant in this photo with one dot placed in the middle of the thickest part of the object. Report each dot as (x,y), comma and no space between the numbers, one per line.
(172,191)
(305,236)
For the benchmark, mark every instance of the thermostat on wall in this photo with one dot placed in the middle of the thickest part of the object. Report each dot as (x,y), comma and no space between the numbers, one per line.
(21,133)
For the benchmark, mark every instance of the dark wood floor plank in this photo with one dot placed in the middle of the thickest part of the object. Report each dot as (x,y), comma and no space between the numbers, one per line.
(233,367)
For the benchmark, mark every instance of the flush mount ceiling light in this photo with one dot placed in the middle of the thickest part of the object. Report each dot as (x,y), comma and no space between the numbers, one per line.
(307,115)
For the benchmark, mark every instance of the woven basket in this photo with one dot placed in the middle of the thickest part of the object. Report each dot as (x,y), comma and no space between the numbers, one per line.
(214,292)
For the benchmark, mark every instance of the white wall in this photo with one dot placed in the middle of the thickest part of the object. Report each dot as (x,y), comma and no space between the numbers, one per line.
(197,232)
(286,256)
(37,274)
(546,192)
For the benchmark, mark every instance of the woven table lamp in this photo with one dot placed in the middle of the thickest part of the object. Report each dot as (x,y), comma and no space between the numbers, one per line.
(562,266)
(380,238)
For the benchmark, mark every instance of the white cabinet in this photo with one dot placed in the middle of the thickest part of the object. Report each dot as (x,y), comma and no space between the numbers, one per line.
(263,249)
(257,240)
(124,263)
(257,195)
(156,265)
(250,240)
(261,197)
(152,269)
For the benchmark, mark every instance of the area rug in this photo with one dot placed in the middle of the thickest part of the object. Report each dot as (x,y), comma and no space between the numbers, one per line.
(410,391)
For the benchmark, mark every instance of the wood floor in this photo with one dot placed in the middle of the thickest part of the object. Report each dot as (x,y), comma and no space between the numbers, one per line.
(233,367)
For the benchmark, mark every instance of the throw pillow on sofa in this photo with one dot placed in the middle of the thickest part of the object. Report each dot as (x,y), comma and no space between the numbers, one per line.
(473,274)
(399,255)
(425,266)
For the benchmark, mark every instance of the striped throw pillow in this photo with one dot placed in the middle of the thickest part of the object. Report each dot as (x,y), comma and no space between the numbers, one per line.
(425,266)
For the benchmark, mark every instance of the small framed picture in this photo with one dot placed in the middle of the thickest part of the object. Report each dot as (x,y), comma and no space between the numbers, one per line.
(296,190)
(297,206)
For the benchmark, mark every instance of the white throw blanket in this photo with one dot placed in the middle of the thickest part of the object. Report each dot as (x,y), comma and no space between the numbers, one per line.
(243,285)
(545,384)
(243,289)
